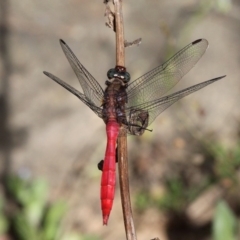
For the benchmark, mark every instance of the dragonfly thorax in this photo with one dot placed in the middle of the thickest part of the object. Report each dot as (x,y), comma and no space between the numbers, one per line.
(114,102)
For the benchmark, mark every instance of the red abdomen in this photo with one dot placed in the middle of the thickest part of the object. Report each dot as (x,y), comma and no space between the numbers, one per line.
(109,169)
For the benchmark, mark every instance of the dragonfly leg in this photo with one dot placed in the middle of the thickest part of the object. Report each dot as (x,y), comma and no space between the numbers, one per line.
(100,164)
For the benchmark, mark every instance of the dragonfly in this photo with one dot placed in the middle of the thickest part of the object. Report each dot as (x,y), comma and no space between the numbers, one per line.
(133,106)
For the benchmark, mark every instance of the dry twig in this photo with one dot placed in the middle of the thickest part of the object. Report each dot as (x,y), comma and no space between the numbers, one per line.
(115,21)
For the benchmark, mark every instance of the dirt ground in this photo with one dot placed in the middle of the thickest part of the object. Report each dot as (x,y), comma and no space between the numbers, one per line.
(47,132)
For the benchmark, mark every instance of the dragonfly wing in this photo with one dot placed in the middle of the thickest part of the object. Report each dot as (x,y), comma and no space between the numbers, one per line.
(91,88)
(155,107)
(75,92)
(161,79)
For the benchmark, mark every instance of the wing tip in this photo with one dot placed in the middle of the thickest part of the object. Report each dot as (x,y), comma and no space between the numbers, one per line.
(200,40)
(62,42)
(197,41)
(218,78)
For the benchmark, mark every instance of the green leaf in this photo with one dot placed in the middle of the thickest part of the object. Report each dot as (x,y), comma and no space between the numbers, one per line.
(34,213)
(26,192)
(36,204)
(23,229)
(3,225)
(142,201)
(3,219)
(52,220)
(225,223)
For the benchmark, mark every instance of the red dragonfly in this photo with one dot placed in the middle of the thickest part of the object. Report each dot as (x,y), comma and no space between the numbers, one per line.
(133,105)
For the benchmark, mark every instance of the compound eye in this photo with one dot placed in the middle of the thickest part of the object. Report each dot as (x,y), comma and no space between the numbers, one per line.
(127,77)
(111,73)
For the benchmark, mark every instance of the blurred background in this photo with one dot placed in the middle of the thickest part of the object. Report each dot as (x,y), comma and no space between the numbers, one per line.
(184,175)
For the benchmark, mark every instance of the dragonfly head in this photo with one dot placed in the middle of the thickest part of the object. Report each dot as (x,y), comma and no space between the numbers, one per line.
(119,73)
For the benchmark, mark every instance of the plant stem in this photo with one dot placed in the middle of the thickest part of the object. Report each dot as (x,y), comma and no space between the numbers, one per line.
(120,48)
(122,140)
(124,186)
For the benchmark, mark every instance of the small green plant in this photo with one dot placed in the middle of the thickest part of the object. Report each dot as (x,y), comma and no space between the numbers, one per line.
(29,215)
(223,164)
(178,195)
(227,161)
(224,223)
(4,224)
(142,201)
(34,218)
(174,198)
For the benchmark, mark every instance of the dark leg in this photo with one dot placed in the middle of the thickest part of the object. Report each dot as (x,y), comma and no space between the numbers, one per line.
(100,165)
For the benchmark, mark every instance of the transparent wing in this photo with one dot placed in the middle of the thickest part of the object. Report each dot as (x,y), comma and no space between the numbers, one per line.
(82,97)
(91,88)
(155,107)
(161,79)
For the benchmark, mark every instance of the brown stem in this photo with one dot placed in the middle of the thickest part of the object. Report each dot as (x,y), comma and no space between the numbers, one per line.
(120,48)
(124,186)
(122,140)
